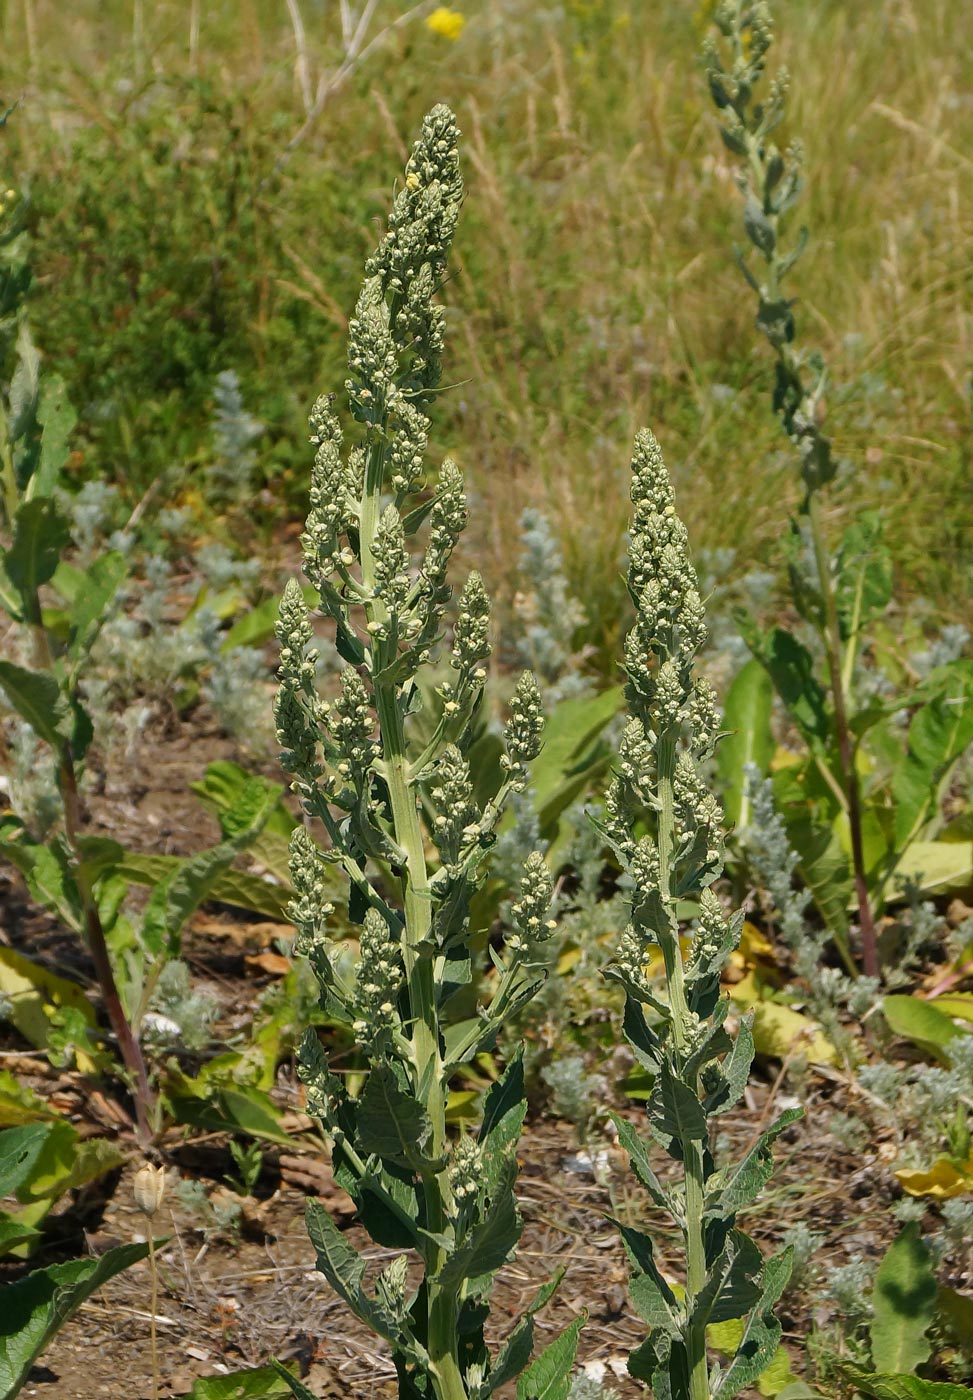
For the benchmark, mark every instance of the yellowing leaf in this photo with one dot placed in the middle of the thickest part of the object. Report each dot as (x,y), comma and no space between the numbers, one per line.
(35,995)
(752,948)
(943,1180)
(727,1336)
(779,1030)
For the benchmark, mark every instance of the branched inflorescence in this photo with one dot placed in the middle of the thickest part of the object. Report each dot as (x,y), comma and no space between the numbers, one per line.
(681,1039)
(388,802)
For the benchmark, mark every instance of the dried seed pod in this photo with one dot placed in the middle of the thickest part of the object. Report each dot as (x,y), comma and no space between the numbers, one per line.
(149,1188)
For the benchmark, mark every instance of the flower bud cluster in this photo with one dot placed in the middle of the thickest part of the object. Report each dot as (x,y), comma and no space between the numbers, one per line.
(310,908)
(530,913)
(332,502)
(378,980)
(391,561)
(465,1171)
(456,825)
(298,711)
(522,732)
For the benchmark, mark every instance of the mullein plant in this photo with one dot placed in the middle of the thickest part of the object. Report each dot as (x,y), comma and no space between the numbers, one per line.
(402,823)
(664,826)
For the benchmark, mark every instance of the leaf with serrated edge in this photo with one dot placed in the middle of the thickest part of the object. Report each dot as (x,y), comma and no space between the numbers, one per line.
(743,1183)
(391,1123)
(761,1334)
(344,1269)
(549,1377)
(639,1159)
(37,698)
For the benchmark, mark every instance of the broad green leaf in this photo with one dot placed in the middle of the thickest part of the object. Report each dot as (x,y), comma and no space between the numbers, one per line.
(761,1332)
(41,532)
(19,1149)
(651,1293)
(37,698)
(391,1123)
(90,607)
(938,734)
(903,1305)
(777,1379)
(791,669)
(566,761)
(36,1307)
(344,1269)
(732,1287)
(19,1104)
(898,1387)
(734,1187)
(57,419)
(674,1110)
(262,1383)
(514,1355)
(234,887)
(549,1377)
(746,713)
(36,995)
(64,1163)
(936,867)
(922,1023)
(14,1234)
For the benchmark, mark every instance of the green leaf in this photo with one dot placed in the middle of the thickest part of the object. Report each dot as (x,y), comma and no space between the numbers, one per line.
(57,419)
(791,668)
(234,887)
(41,532)
(489,1243)
(299,1391)
(36,1307)
(567,762)
(37,698)
(761,1333)
(732,1188)
(675,1112)
(746,713)
(15,1233)
(936,867)
(922,1023)
(639,1159)
(257,625)
(759,229)
(89,608)
(344,1269)
(896,1387)
(903,1304)
(262,1383)
(36,995)
(19,1150)
(655,1301)
(938,734)
(514,1355)
(391,1123)
(549,1377)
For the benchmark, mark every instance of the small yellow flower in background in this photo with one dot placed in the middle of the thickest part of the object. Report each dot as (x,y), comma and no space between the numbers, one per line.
(447,23)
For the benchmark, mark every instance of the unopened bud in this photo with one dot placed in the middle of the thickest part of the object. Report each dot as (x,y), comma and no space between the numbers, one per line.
(148,1188)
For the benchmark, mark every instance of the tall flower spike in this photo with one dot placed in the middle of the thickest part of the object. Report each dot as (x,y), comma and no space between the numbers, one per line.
(698,1070)
(389,786)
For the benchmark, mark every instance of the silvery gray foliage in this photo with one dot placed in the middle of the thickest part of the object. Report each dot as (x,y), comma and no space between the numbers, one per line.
(699,1071)
(384,798)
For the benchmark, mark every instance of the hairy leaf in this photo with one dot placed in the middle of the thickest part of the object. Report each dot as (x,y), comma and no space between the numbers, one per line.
(391,1122)
(904,1305)
(549,1377)
(344,1269)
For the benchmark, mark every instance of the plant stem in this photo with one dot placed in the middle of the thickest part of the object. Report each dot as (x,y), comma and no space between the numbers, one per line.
(67,781)
(692,1151)
(846,749)
(153,1337)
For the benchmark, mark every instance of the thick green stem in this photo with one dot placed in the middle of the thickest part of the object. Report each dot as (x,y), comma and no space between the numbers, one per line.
(427,1063)
(695,1335)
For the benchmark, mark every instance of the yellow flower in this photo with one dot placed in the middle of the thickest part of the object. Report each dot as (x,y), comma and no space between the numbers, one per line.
(445,22)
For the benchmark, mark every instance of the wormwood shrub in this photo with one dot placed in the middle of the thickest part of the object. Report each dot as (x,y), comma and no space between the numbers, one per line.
(386,797)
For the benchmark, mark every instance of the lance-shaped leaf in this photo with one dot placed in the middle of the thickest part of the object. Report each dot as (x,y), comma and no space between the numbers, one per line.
(656,1302)
(36,1307)
(639,1158)
(514,1355)
(675,1114)
(37,698)
(490,1241)
(549,1377)
(392,1123)
(89,609)
(735,1187)
(761,1333)
(733,1073)
(733,1285)
(344,1269)
(746,714)
(41,532)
